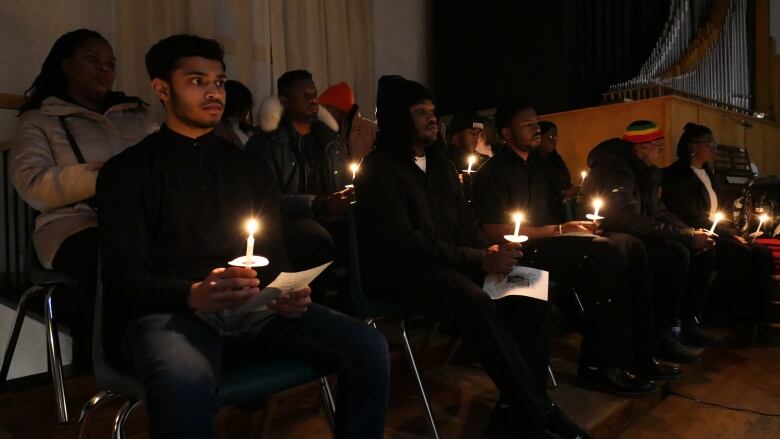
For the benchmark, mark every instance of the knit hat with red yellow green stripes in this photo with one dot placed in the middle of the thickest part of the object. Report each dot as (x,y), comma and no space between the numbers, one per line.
(641,131)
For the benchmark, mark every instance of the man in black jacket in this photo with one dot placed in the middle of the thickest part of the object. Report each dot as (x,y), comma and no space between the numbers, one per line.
(310,164)
(623,174)
(171,210)
(421,246)
(615,315)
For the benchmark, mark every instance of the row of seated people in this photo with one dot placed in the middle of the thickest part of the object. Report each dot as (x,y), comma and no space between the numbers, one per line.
(170,209)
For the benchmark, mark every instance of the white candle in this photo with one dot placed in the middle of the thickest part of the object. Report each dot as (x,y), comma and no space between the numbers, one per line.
(761,220)
(518,217)
(251,227)
(716,219)
(596,206)
(354,168)
(472,160)
(583,174)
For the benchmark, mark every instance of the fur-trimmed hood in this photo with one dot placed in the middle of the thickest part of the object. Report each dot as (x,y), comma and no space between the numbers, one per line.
(270,115)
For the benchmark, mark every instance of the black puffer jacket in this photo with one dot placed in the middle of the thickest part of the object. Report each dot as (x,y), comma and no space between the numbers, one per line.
(631,191)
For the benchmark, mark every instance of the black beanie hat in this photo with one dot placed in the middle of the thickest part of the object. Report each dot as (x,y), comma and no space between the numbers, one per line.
(395,95)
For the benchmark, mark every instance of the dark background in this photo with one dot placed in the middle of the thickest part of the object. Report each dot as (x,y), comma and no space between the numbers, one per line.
(556,54)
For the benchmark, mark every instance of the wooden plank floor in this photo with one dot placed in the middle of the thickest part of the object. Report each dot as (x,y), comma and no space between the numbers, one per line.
(463,397)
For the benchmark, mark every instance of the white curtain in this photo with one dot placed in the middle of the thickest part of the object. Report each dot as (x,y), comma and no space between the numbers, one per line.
(262,38)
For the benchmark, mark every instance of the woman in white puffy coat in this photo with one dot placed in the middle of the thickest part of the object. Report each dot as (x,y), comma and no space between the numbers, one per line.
(70,124)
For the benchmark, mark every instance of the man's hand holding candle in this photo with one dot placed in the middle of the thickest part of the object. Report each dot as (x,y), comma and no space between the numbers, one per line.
(224,288)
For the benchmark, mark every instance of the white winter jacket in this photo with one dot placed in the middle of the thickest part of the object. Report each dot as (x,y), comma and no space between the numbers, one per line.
(47,174)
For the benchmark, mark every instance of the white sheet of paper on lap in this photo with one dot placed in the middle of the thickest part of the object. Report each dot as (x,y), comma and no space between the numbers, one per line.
(521,281)
(283,284)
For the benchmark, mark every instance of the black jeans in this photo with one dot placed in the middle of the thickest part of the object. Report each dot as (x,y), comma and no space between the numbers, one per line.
(681,279)
(77,257)
(179,357)
(743,281)
(597,270)
(511,336)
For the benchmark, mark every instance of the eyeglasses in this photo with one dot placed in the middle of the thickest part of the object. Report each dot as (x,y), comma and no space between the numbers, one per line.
(710,143)
(553,138)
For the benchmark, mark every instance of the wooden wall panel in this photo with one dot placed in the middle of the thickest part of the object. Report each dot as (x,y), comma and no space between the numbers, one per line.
(580,130)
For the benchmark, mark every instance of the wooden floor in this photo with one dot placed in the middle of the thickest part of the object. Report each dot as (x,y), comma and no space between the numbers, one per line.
(745,377)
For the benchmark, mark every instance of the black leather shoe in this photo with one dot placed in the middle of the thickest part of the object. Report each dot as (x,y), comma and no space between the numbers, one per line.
(560,424)
(615,381)
(692,334)
(655,370)
(670,349)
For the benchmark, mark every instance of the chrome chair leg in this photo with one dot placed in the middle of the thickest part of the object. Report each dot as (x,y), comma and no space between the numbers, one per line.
(55,357)
(410,354)
(16,329)
(121,418)
(85,417)
(329,404)
(552,377)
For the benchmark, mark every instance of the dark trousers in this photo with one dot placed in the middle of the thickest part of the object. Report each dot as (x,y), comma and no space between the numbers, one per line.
(681,279)
(511,336)
(595,268)
(178,358)
(743,281)
(77,257)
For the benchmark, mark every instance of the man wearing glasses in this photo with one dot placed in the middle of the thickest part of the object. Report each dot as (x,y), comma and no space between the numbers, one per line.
(624,175)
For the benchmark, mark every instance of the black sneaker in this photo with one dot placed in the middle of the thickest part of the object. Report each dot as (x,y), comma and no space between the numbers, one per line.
(656,370)
(614,381)
(560,424)
(692,334)
(670,349)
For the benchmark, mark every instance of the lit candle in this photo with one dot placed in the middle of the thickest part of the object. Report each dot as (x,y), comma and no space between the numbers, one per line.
(518,217)
(472,159)
(761,220)
(715,220)
(354,168)
(583,174)
(251,227)
(596,206)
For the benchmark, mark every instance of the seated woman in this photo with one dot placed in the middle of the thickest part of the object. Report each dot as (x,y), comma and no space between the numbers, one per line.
(690,191)
(556,172)
(70,124)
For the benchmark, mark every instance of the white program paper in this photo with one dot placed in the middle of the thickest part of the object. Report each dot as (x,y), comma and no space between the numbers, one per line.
(282,285)
(521,281)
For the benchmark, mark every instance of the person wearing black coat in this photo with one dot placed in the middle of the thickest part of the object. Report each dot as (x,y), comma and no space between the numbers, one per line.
(421,246)
(690,191)
(681,259)
(561,190)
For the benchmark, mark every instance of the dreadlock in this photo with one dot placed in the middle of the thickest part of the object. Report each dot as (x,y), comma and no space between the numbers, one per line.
(51,81)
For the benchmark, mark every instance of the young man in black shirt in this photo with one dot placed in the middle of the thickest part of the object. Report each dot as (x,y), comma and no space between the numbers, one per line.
(170,217)
(617,349)
(421,246)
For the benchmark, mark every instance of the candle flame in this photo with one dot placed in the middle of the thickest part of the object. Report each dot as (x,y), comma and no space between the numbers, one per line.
(583,174)
(251,226)
(517,217)
(354,167)
(472,159)
(718,216)
(763,218)
(597,203)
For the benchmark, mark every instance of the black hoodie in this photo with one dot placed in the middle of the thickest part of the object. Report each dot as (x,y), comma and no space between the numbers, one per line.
(631,192)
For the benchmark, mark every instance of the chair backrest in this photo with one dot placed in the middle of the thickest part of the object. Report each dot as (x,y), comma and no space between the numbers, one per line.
(99,362)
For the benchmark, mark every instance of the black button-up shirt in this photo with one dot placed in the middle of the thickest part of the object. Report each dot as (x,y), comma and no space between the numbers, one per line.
(173,208)
(505,184)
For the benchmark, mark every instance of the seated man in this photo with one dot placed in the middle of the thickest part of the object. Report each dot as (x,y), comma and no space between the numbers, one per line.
(623,174)
(338,101)
(310,164)
(562,192)
(171,209)
(616,320)
(421,247)
(466,128)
